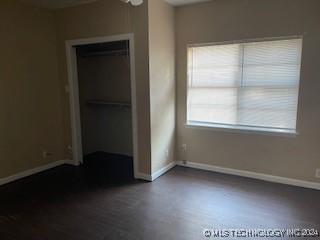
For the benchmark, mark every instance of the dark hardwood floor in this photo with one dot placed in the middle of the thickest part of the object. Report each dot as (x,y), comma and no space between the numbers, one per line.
(80,203)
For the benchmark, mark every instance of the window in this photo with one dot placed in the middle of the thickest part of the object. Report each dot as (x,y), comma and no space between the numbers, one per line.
(251,85)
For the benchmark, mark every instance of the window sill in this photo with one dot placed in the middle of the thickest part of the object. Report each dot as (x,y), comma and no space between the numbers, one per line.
(243,129)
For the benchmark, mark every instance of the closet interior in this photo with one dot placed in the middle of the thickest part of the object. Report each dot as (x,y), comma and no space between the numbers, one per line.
(105,107)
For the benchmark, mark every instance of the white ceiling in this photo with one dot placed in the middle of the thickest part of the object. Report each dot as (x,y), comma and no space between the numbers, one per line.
(55,4)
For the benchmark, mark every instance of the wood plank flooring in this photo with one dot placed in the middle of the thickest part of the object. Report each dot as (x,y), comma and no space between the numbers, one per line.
(72,203)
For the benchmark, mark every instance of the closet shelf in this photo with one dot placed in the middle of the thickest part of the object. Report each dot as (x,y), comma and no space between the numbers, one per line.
(111,104)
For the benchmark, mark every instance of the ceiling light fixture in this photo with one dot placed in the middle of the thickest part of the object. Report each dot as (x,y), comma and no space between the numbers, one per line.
(133,2)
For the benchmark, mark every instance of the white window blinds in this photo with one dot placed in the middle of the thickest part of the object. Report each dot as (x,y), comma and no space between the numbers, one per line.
(247,84)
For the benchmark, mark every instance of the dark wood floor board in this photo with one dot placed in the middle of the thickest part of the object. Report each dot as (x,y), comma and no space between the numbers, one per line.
(76,204)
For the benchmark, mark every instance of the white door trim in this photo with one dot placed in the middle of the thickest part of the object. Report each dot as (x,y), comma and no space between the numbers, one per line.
(74,93)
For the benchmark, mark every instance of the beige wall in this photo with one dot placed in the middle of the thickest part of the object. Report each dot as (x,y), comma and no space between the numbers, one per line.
(162,83)
(224,20)
(105,18)
(35,106)
(30,119)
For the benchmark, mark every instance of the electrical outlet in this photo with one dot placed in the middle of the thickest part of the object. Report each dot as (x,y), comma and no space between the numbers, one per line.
(184,148)
(167,153)
(318,173)
(69,149)
(184,154)
(46,154)
(66,88)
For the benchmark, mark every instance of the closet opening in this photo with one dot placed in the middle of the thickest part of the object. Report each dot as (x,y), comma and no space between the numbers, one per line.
(103,107)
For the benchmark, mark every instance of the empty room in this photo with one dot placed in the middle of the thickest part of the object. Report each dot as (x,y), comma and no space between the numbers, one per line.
(159,119)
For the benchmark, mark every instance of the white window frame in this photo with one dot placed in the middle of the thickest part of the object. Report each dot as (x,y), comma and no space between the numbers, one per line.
(242,128)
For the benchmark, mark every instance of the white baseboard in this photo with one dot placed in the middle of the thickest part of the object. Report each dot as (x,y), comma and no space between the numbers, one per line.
(154,176)
(143,176)
(162,171)
(36,170)
(30,172)
(71,162)
(157,174)
(254,175)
